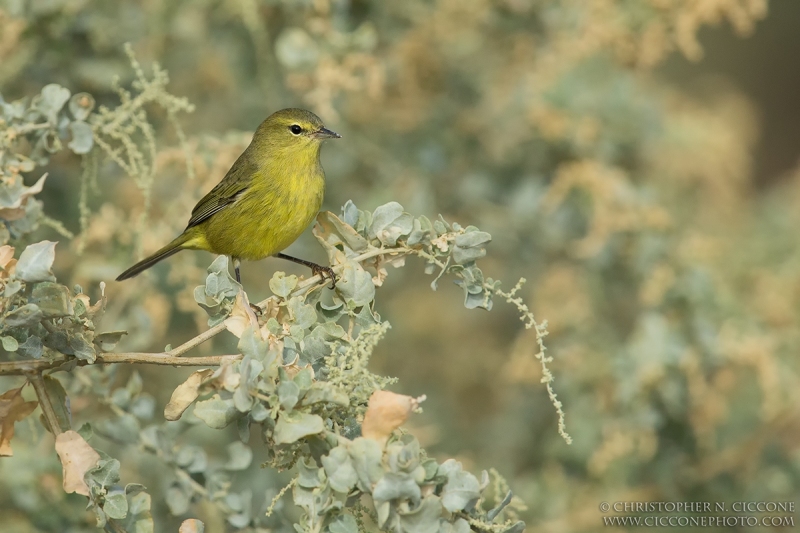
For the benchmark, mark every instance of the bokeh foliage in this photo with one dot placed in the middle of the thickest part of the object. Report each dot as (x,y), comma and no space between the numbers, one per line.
(669,281)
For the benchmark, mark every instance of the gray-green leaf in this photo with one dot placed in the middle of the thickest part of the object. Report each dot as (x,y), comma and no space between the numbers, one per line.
(293,426)
(216,412)
(36,261)
(393,486)
(339,468)
(282,285)
(239,456)
(82,137)
(116,504)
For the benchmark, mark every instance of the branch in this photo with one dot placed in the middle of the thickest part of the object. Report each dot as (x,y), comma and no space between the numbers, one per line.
(304,287)
(173,357)
(16,368)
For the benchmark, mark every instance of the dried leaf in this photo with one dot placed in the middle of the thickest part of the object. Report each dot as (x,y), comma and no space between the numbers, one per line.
(241,316)
(185,394)
(12,409)
(16,209)
(192,525)
(6,255)
(77,457)
(386,412)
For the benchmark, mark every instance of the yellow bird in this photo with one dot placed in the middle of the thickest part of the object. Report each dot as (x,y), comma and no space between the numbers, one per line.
(266,200)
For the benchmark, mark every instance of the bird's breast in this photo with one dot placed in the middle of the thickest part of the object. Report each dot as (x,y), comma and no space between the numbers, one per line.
(269,216)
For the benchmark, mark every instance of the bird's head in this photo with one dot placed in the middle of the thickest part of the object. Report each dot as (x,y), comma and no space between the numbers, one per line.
(293,131)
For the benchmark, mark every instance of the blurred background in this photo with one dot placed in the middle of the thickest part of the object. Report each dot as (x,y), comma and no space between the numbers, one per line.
(635,161)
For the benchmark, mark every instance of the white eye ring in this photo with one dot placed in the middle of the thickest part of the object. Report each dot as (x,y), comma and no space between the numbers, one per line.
(295,129)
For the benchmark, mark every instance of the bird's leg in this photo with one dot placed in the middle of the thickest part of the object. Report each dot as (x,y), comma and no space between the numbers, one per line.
(236,264)
(323,271)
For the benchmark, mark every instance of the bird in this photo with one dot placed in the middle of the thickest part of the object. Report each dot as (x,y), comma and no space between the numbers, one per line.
(266,200)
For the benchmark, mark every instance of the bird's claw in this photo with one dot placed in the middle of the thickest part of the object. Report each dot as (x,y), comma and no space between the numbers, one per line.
(256,309)
(325,272)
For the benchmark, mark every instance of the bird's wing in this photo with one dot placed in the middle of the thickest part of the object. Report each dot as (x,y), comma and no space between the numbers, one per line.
(225,193)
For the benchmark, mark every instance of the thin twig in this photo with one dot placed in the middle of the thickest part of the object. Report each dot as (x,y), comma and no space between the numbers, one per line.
(12,368)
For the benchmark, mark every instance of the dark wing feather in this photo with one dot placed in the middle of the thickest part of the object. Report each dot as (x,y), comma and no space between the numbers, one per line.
(226,192)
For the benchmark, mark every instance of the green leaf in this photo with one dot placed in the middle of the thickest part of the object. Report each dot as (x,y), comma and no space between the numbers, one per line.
(304,315)
(304,379)
(334,234)
(178,499)
(26,316)
(53,299)
(461,492)
(308,475)
(459,526)
(396,486)
(59,401)
(108,339)
(329,331)
(313,349)
(401,226)
(52,99)
(366,455)
(350,213)
(423,519)
(242,398)
(116,504)
(10,344)
(343,523)
(355,285)
(86,431)
(472,239)
(36,261)
(104,474)
(82,137)
(32,347)
(339,468)
(12,287)
(383,216)
(124,427)
(252,346)
(288,394)
(323,391)
(517,527)
(239,456)
(139,519)
(463,256)
(259,413)
(293,426)
(421,231)
(134,488)
(492,514)
(192,458)
(81,105)
(282,285)
(216,412)
(81,348)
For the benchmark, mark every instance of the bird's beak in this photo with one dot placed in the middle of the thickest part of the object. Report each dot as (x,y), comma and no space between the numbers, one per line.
(325,133)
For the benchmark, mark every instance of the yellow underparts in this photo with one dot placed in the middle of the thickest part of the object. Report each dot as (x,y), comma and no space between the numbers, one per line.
(268,217)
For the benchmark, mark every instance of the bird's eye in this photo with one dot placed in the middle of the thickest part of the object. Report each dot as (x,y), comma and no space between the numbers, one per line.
(294,128)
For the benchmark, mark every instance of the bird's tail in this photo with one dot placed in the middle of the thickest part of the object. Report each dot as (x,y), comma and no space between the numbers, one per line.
(172,248)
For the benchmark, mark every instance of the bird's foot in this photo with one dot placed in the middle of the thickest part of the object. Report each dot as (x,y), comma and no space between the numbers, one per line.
(256,309)
(325,272)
